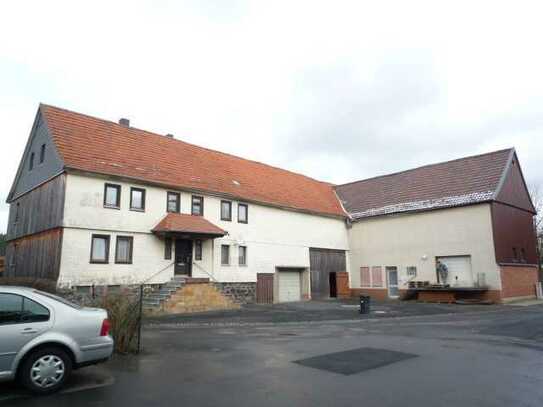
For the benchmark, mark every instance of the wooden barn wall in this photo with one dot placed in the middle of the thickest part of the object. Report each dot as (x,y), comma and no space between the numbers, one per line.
(36,256)
(513,228)
(39,210)
(322,263)
(514,190)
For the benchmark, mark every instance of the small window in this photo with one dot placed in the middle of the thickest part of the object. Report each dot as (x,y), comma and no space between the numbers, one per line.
(137,199)
(226,210)
(168,248)
(198,250)
(100,249)
(112,196)
(225,255)
(411,271)
(173,203)
(31,162)
(197,205)
(123,249)
(243,216)
(242,255)
(17,212)
(42,153)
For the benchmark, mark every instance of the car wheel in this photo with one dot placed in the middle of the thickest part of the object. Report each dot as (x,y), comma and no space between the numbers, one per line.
(45,371)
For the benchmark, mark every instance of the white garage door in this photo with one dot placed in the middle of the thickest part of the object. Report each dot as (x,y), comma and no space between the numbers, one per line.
(289,286)
(459,270)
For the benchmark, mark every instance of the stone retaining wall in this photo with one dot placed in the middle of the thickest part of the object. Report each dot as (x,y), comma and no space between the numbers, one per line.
(240,293)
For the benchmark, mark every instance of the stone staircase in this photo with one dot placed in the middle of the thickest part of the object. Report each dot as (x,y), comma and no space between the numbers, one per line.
(186,295)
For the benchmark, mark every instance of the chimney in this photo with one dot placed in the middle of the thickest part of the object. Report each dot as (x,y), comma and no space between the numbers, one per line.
(169,135)
(124,122)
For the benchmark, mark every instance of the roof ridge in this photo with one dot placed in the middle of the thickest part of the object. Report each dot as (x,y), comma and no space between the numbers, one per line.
(426,166)
(186,143)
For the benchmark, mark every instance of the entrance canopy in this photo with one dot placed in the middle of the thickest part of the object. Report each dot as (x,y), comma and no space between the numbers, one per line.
(187,226)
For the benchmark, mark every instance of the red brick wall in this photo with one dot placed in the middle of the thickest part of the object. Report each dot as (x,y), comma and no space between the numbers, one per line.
(379,294)
(518,281)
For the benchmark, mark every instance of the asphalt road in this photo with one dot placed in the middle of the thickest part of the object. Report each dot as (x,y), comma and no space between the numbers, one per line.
(478,357)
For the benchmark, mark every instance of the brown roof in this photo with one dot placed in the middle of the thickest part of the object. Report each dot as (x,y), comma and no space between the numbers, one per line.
(181,223)
(95,145)
(453,183)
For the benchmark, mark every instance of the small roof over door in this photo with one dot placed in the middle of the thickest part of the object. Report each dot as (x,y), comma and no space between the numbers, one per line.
(193,226)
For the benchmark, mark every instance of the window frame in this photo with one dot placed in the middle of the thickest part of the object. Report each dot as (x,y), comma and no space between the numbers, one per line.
(229,219)
(168,246)
(118,188)
(42,153)
(222,259)
(108,243)
(198,250)
(143,193)
(246,206)
(177,201)
(244,264)
(23,301)
(31,161)
(130,253)
(199,198)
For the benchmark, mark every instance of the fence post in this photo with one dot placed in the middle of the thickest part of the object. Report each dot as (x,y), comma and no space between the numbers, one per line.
(140,317)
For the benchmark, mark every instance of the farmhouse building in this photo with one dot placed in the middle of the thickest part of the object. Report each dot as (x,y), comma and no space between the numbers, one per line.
(99,203)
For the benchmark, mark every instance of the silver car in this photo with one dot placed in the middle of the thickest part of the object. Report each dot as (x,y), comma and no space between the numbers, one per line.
(44,337)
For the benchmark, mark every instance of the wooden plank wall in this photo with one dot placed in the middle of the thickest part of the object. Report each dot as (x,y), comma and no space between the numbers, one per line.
(322,263)
(36,256)
(39,210)
(2,266)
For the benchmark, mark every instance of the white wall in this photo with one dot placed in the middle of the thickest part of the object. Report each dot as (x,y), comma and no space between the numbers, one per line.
(274,237)
(403,240)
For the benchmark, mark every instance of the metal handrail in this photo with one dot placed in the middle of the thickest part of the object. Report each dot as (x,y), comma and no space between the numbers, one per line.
(158,272)
(205,271)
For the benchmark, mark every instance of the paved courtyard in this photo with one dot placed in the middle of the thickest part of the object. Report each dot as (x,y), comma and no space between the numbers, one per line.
(472,356)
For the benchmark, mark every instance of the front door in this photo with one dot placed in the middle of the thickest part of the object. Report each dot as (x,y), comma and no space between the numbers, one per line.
(392,280)
(183,257)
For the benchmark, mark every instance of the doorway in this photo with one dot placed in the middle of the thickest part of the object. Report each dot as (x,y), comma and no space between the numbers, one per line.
(333,284)
(392,282)
(183,257)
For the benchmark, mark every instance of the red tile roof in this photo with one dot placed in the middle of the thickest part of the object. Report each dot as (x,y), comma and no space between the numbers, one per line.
(453,183)
(100,146)
(181,223)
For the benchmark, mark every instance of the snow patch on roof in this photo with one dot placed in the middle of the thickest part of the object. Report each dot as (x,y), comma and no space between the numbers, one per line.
(427,204)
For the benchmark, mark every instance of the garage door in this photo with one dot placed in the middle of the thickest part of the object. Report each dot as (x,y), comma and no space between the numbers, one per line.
(289,286)
(459,270)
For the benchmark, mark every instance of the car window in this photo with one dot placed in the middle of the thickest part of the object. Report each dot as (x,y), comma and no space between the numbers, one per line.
(16,309)
(11,308)
(59,299)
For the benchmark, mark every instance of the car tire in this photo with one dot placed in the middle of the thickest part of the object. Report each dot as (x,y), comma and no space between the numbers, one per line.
(45,371)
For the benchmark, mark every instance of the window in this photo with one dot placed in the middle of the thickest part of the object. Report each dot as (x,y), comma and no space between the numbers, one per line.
(168,248)
(242,255)
(365,277)
(31,163)
(112,196)
(42,153)
(197,250)
(225,255)
(197,205)
(243,215)
(376,276)
(411,271)
(226,210)
(137,199)
(100,249)
(16,309)
(173,204)
(17,211)
(123,249)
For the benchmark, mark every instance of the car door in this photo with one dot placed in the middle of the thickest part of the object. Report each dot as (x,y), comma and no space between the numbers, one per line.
(21,320)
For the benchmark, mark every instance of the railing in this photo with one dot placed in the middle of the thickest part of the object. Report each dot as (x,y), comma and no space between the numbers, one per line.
(205,271)
(157,273)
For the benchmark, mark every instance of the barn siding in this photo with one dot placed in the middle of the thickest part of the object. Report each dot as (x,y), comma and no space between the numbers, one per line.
(322,263)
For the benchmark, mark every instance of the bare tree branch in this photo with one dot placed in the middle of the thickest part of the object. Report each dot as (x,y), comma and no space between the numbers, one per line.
(537,198)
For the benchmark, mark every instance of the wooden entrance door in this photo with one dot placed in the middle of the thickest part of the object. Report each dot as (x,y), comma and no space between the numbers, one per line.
(264,288)
(183,257)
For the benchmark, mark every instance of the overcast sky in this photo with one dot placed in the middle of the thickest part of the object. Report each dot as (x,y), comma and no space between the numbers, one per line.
(336,90)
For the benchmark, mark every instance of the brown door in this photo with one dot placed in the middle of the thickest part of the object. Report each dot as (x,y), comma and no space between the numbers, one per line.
(264,288)
(183,257)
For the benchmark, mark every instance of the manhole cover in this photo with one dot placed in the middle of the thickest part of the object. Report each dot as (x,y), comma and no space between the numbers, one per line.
(355,361)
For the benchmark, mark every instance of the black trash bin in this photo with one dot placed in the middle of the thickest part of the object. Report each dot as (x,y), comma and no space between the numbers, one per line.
(365,304)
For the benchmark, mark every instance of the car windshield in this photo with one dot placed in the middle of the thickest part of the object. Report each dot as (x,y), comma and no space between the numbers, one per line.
(59,299)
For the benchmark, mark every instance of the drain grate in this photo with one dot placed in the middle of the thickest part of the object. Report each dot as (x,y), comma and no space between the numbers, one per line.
(355,360)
